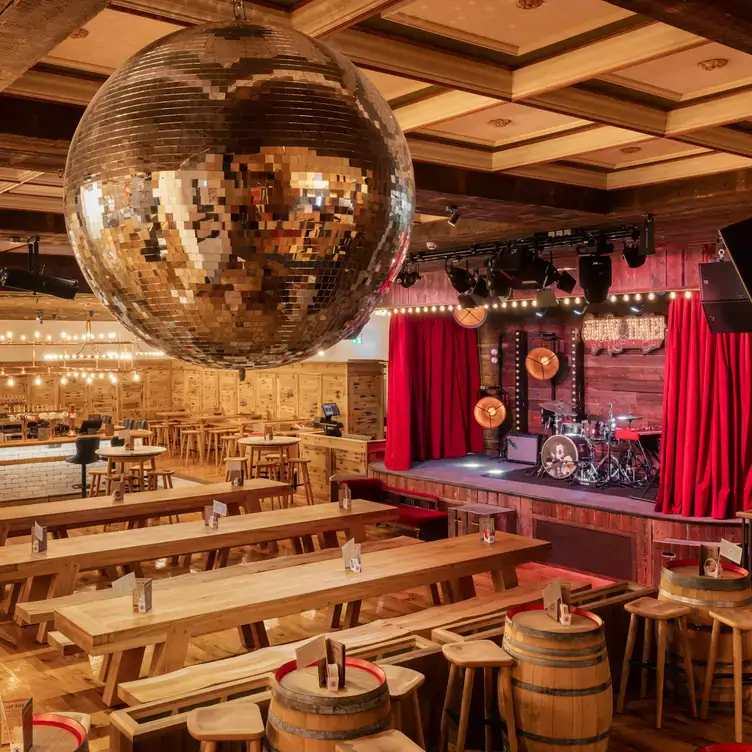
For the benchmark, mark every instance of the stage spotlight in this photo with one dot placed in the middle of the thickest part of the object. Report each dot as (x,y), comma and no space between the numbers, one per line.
(566,282)
(466,301)
(580,309)
(603,246)
(460,279)
(632,254)
(637,308)
(409,274)
(454,216)
(595,277)
(480,290)
(541,312)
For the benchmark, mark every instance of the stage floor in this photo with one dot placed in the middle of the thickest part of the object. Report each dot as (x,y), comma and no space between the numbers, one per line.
(490,474)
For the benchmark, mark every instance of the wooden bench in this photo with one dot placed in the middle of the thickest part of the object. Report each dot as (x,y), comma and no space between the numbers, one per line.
(53,573)
(38,612)
(111,627)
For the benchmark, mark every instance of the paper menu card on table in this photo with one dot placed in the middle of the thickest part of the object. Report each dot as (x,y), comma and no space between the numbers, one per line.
(731,551)
(38,538)
(124,585)
(351,555)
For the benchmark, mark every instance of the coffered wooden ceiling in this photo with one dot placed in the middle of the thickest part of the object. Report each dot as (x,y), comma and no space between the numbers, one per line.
(528,114)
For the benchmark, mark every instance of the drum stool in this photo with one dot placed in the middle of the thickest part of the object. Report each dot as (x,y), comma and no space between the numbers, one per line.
(660,612)
(227,722)
(468,657)
(404,684)
(740,622)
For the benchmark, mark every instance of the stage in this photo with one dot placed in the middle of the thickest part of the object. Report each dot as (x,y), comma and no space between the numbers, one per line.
(602,531)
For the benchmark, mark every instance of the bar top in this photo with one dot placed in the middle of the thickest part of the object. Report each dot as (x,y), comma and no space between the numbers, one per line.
(35,442)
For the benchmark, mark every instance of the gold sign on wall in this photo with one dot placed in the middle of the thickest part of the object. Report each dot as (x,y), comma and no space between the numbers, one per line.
(614,334)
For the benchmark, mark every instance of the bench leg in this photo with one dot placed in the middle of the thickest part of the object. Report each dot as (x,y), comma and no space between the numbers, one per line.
(260,637)
(246,637)
(336,620)
(124,666)
(435,597)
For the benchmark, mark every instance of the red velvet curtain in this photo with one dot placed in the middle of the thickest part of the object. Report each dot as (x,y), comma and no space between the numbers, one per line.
(434,377)
(706,452)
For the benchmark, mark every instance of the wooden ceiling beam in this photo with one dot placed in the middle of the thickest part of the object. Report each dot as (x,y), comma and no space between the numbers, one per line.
(18,223)
(194,12)
(726,21)
(444,106)
(729,108)
(604,56)
(317,18)
(31,29)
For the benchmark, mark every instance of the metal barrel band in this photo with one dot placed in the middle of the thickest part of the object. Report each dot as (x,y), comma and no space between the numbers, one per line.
(332,705)
(551,691)
(705,583)
(343,735)
(703,603)
(563,742)
(543,634)
(556,664)
(594,650)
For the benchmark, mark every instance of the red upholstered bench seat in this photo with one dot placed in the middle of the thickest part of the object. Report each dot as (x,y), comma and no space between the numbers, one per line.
(417,516)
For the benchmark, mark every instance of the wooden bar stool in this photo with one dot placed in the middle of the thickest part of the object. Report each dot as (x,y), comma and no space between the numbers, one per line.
(740,622)
(162,436)
(96,481)
(404,684)
(128,479)
(468,657)
(227,722)
(228,460)
(229,445)
(155,475)
(213,436)
(386,741)
(301,466)
(660,612)
(190,441)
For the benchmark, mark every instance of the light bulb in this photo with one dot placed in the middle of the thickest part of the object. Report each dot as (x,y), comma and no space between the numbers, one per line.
(37,381)
(409,310)
(638,297)
(63,381)
(442,308)
(651,296)
(672,295)
(111,335)
(577,301)
(524,303)
(566,301)
(88,379)
(514,304)
(36,335)
(626,298)
(137,377)
(11,381)
(613,298)
(688,294)
(425,309)
(495,305)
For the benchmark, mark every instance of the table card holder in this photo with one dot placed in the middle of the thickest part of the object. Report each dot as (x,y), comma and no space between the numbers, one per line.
(118,488)
(142,596)
(17,713)
(268,432)
(109,429)
(731,551)
(557,603)
(345,497)
(710,560)
(336,655)
(38,539)
(352,557)
(211,520)
(235,471)
(487,527)
(125,584)
(138,443)
(314,651)
(332,677)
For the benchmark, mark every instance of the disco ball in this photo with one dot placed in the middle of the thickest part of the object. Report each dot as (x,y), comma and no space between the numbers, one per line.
(239,195)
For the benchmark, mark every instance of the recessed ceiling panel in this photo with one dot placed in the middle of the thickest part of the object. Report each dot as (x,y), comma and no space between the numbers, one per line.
(654,150)
(512,26)
(393,87)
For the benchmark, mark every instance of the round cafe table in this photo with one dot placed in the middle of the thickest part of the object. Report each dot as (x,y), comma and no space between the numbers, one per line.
(121,456)
(258,444)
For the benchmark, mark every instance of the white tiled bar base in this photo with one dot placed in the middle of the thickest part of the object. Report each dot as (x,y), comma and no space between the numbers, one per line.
(39,479)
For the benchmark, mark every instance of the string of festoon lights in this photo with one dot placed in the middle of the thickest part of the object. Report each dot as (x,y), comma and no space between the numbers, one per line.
(629,297)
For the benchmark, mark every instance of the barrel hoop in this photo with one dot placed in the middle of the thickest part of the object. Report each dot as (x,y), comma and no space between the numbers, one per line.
(705,604)
(570,636)
(328,705)
(537,689)
(556,664)
(343,735)
(563,742)
(706,583)
(594,650)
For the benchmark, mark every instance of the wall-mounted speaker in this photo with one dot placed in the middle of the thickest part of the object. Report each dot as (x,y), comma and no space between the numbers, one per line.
(725,301)
(738,241)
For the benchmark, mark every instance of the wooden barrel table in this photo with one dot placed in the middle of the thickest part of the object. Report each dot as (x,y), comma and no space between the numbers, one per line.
(56,733)
(304,717)
(561,681)
(682,582)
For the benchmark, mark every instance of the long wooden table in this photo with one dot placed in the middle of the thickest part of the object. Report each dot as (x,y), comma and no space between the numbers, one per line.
(111,627)
(53,572)
(59,516)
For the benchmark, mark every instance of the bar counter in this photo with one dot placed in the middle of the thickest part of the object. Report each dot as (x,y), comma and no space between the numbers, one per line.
(34,469)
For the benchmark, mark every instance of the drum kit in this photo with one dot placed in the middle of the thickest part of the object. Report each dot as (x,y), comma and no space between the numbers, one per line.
(593,452)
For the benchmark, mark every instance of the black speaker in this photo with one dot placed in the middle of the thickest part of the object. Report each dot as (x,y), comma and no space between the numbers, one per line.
(595,277)
(725,302)
(738,241)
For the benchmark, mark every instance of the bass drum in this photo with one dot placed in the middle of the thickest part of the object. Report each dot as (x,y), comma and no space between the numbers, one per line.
(560,455)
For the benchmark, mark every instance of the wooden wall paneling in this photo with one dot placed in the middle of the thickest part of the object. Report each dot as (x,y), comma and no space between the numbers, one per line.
(228,392)
(309,395)
(158,388)
(103,398)
(266,394)
(177,377)
(209,390)
(131,398)
(19,392)
(287,394)
(247,394)
(193,390)
(365,398)
(334,389)
(74,393)
(46,394)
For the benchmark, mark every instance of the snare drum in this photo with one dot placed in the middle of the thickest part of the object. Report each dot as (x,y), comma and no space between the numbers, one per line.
(572,429)
(595,429)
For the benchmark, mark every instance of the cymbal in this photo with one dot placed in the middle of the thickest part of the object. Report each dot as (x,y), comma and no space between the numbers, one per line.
(541,363)
(629,416)
(489,412)
(559,407)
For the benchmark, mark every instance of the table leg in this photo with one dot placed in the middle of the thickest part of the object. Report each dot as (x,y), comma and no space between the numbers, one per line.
(356,531)
(170,655)
(336,620)
(62,584)
(297,546)
(329,539)
(246,637)
(467,587)
(124,666)
(104,667)
(4,530)
(454,586)
(258,630)
(504,578)
(224,555)
(308,545)
(435,597)
(446,591)
(352,614)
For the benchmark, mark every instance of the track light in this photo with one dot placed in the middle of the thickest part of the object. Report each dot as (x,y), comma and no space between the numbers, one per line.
(408,275)
(595,277)
(566,282)
(454,216)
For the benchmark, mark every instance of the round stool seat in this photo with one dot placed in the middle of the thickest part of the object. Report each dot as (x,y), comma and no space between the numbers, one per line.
(652,608)
(226,722)
(477,654)
(736,618)
(402,681)
(99,472)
